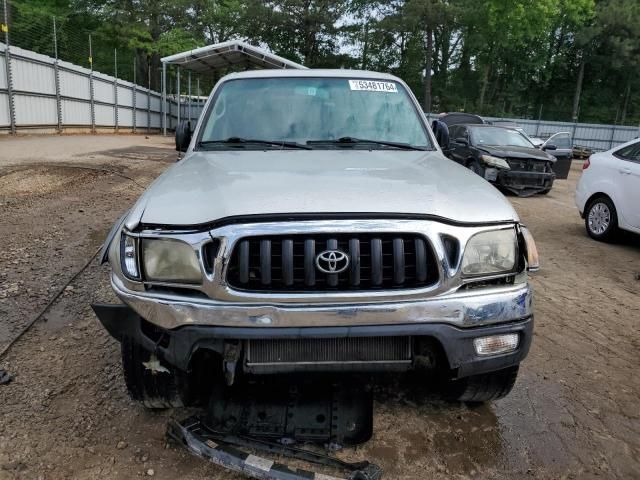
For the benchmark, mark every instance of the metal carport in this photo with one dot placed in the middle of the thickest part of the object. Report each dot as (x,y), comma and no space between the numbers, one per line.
(233,54)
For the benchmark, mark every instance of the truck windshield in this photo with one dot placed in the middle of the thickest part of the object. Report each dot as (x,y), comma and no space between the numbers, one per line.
(497,136)
(326,112)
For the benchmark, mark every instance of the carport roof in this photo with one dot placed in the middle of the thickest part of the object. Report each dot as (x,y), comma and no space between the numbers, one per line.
(226,54)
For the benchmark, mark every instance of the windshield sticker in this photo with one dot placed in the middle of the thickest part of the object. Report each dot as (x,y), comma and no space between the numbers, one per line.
(373,86)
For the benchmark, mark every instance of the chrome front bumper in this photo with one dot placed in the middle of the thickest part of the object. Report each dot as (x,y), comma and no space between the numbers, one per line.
(468,308)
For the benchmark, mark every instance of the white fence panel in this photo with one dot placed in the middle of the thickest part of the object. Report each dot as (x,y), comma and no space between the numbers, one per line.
(75,113)
(74,85)
(3,72)
(125,117)
(105,116)
(156,120)
(156,103)
(103,91)
(4,110)
(125,96)
(142,100)
(35,110)
(31,76)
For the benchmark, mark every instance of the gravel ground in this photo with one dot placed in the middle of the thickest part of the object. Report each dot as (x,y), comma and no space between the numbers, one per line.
(574,412)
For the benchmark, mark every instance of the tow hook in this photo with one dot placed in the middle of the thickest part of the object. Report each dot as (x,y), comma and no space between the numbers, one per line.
(230,359)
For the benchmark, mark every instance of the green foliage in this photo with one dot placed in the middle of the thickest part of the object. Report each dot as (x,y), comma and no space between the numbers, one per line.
(493,57)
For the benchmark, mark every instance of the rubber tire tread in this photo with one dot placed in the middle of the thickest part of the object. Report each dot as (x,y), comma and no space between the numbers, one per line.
(484,387)
(611,232)
(154,390)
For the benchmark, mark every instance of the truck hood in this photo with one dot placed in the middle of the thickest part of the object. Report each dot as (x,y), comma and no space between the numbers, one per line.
(517,152)
(211,186)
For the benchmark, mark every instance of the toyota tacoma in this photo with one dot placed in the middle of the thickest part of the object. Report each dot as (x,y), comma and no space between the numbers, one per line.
(314,225)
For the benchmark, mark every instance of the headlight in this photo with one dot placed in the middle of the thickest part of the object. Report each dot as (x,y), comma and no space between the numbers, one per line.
(170,261)
(495,162)
(129,256)
(490,253)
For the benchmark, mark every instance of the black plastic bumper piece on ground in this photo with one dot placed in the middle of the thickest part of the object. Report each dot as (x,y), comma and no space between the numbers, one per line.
(177,346)
(225,451)
(294,410)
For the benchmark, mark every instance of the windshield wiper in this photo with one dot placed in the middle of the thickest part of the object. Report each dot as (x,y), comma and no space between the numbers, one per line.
(243,141)
(355,141)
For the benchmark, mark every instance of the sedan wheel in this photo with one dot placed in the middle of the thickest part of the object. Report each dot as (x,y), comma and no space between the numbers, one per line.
(601,219)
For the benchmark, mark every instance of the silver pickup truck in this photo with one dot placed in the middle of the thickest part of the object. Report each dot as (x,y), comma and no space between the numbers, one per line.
(314,225)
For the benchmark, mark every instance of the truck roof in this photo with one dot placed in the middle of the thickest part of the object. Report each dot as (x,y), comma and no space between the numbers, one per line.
(310,73)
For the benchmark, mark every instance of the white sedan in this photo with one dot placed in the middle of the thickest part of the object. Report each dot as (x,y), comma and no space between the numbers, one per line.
(608,193)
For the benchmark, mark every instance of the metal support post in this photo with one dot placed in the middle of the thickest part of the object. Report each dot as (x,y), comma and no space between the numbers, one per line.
(7,59)
(613,134)
(57,75)
(149,99)
(178,96)
(198,88)
(189,107)
(115,87)
(135,88)
(164,99)
(91,90)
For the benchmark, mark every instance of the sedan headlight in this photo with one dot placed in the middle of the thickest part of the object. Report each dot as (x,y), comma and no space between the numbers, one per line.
(495,162)
(170,261)
(490,253)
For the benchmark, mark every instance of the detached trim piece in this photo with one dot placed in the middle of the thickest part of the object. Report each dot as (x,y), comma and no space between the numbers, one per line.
(214,448)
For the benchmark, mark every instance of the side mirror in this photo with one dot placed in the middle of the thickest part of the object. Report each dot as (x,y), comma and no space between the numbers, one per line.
(549,147)
(183,136)
(441,132)
(462,141)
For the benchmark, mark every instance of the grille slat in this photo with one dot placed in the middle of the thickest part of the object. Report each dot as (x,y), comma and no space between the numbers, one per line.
(398,261)
(354,267)
(329,350)
(265,262)
(309,262)
(421,264)
(332,279)
(288,262)
(376,262)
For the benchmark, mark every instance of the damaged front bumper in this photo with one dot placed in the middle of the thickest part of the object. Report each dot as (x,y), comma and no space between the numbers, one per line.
(453,322)
(525,183)
(464,308)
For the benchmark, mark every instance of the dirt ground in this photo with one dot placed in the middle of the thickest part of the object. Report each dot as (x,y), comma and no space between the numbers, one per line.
(574,412)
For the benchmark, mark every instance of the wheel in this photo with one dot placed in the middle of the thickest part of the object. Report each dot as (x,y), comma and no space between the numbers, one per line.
(155,385)
(601,219)
(545,191)
(475,167)
(483,387)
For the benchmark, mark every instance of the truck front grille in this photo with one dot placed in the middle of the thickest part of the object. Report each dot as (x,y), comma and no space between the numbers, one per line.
(328,350)
(289,263)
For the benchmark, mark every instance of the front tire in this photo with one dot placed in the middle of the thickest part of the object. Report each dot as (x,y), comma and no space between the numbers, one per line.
(483,387)
(601,219)
(155,385)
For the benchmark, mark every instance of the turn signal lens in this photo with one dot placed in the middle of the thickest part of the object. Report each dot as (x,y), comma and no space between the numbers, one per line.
(129,257)
(533,259)
(496,344)
(586,164)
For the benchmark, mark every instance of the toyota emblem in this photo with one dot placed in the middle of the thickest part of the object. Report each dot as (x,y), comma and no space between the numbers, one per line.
(332,261)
